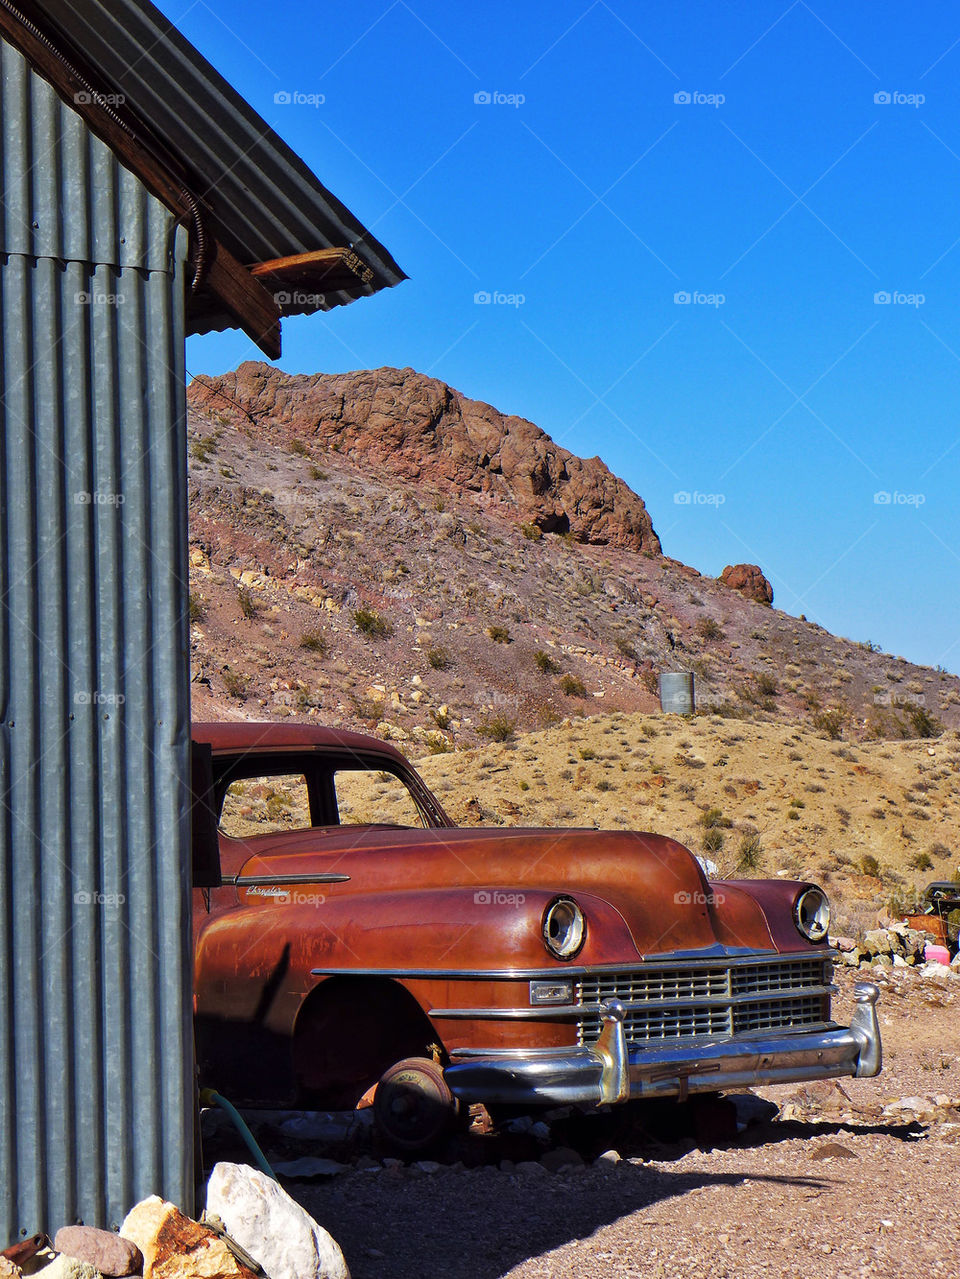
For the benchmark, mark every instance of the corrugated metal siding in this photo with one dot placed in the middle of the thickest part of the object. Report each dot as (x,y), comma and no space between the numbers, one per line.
(96,1059)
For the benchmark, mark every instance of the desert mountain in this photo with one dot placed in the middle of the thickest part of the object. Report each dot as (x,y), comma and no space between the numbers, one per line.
(373,549)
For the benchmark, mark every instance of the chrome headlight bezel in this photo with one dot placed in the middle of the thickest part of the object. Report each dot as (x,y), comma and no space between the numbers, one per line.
(563,928)
(811,914)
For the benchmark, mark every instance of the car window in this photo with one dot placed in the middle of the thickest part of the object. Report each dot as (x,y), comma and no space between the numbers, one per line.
(263,805)
(369,797)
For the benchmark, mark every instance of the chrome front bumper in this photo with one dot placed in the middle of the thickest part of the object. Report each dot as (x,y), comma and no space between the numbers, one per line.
(611,1070)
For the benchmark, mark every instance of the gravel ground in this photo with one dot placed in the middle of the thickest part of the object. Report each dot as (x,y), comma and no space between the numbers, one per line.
(847,1185)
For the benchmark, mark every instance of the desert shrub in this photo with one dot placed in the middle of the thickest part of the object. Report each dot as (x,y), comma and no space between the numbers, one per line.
(248,605)
(439,746)
(532,532)
(499,634)
(234,683)
(750,852)
(756,692)
(371,623)
(441,717)
(921,861)
(604,784)
(196,609)
(713,819)
(587,752)
(439,658)
(830,723)
(573,686)
(869,865)
(713,840)
(315,642)
(940,850)
(766,684)
(499,728)
(316,473)
(709,629)
(922,722)
(299,448)
(625,648)
(544,662)
(202,448)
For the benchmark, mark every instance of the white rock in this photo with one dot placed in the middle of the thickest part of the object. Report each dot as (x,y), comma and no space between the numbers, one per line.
(63,1267)
(275,1230)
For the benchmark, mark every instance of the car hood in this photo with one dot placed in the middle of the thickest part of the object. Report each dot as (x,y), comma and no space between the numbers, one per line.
(653,883)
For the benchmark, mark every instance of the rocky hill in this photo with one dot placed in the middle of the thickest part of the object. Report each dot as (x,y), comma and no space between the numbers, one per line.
(374,550)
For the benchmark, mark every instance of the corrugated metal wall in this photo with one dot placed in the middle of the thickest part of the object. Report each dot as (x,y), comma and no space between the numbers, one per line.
(96,1058)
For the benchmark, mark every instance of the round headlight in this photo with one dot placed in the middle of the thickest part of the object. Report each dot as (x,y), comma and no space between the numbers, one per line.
(563,928)
(811,913)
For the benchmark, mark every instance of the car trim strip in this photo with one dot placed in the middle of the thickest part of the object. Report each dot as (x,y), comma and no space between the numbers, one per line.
(263,881)
(706,958)
(584,1011)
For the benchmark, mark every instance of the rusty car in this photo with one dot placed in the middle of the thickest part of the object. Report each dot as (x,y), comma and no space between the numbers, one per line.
(353,944)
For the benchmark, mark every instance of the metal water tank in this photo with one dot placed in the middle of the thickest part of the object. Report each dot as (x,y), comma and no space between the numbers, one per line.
(677,692)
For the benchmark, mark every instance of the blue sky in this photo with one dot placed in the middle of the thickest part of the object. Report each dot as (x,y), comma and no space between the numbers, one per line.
(785,167)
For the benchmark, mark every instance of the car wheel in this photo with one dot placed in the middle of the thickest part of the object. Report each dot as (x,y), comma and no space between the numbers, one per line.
(413,1106)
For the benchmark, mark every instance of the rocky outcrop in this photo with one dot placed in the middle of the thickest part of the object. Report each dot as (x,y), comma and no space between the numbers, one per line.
(402,423)
(749,580)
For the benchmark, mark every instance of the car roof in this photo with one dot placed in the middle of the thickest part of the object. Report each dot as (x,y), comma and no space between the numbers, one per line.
(248,735)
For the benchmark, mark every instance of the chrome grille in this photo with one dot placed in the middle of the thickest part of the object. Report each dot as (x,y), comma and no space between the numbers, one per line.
(712,1000)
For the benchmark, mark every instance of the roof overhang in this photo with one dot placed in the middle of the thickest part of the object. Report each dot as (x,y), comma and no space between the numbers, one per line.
(267,239)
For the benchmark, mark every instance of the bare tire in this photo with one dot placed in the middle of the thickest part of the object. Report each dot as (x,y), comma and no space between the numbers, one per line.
(413,1106)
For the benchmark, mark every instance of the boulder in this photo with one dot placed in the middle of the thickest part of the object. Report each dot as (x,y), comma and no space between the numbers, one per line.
(275,1230)
(174,1247)
(102,1249)
(749,580)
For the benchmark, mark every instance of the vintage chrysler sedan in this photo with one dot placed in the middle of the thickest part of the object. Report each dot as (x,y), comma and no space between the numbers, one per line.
(350,938)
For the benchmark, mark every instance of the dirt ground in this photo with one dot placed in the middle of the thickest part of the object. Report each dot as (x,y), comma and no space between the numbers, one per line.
(846,1182)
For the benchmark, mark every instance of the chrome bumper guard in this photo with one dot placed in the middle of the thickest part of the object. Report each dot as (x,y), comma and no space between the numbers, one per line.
(612,1071)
